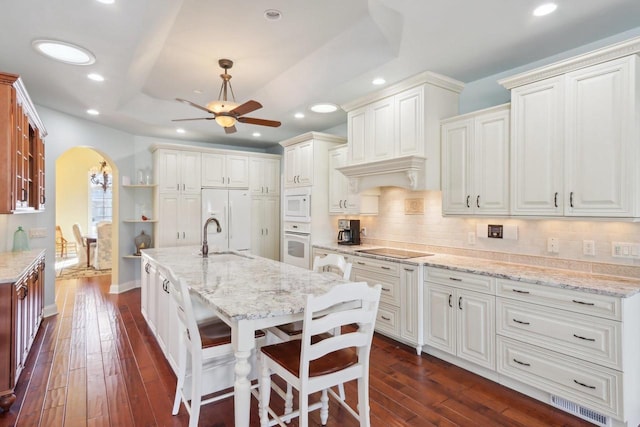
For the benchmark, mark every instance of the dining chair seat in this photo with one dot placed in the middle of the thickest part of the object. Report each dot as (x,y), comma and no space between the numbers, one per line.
(218,333)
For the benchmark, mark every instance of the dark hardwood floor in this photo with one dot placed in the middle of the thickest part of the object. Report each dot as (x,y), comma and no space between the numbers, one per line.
(97,364)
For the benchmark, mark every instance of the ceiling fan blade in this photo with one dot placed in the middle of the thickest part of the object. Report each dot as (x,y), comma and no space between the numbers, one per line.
(245,108)
(195,105)
(230,129)
(261,122)
(199,118)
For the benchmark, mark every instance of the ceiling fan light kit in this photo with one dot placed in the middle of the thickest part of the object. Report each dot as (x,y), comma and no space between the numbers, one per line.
(227,113)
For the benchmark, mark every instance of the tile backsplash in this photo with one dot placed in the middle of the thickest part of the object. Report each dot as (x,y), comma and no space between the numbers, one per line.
(431,231)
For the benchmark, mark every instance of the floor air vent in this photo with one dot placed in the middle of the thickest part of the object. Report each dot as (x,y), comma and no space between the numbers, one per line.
(580,411)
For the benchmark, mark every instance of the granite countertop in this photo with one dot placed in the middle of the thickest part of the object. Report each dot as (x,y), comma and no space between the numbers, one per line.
(593,283)
(243,286)
(14,264)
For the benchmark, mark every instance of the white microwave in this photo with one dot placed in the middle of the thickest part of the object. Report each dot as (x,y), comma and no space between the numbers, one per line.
(297,204)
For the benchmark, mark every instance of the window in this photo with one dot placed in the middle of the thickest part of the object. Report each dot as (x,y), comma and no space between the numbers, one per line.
(100,203)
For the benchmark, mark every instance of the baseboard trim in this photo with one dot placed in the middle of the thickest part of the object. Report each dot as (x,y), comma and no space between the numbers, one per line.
(116,288)
(50,310)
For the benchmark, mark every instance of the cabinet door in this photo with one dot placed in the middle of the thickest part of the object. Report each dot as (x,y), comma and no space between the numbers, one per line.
(271,217)
(338,183)
(491,163)
(476,328)
(271,176)
(537,148)
(144,287)
(213,170)
(169,210)
(457,138)
(167,170)
(237,170)
(256,176)
(599,144)
(356,131)
(190,223)
(409,320)
(381,137)
(304,159)
(152,290)
(257,226)
(162,306)
(439,328)
(191,163)
(409,109)
(290,165)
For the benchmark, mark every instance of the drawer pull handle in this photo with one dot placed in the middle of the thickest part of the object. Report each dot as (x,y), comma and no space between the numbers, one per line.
(455,279)
(584,338)
(518,291)
(409,269)
(386,289)
(385,318)
(592,387)
(385,268)
(582,302)
(523,323)
(522,363)
(360,262)
(460,303)
(450,301)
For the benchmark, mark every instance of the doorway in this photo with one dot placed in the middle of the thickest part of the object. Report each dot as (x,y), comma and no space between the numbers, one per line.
(85,207)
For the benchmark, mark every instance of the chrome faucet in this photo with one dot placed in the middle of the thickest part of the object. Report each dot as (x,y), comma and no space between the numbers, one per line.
(205,246)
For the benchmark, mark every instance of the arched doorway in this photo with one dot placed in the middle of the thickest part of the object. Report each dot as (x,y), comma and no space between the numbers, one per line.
(85,197)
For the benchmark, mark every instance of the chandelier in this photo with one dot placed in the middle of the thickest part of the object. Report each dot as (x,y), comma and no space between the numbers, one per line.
(100,175)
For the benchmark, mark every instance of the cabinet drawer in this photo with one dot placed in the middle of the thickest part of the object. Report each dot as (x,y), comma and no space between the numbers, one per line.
(472,282)
(376,265)
(298,227)
(576,301)
(593,386)
(585,337)
(388,320)
(390,293)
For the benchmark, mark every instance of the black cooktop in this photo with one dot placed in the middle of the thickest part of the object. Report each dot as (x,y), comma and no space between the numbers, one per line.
(394,253)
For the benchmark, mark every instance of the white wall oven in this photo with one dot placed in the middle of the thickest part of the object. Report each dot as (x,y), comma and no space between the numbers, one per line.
(297,245)
(297,204)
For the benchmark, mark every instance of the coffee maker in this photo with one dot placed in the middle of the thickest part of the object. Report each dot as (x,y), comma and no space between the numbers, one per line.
(348,231)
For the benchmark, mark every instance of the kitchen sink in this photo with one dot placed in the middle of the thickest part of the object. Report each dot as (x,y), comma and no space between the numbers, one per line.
(394,253)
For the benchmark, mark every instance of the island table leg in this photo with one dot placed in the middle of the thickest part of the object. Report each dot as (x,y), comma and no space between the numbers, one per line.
(244,342)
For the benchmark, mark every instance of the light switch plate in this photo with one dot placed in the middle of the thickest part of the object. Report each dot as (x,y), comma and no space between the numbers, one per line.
(37,233)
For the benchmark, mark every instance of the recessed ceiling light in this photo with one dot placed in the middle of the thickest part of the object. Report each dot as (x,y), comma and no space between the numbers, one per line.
(545,9)
(95,77)
(64,52)
(272,14)
(299,115)
(256,134)
(93,112)
(324,107)
(106,1)
(198,91)
(378,81)
(180,130)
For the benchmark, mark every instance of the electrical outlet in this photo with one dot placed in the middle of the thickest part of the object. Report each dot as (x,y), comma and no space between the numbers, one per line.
(625,250)
(553,245)
(589,247)
(363,231)
(471,238)
(37,233)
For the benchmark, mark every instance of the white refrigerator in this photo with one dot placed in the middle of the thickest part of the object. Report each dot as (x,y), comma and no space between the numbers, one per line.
(232,208)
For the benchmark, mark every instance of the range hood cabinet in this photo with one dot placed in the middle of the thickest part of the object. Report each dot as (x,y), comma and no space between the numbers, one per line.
(406,172)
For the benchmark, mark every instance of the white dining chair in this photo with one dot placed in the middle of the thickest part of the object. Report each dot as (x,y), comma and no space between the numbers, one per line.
(102,254)
(208,344)
(320,360)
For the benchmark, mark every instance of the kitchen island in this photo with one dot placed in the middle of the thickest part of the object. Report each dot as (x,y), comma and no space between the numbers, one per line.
(246,291)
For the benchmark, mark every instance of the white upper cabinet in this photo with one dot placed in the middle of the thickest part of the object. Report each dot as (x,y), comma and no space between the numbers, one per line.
(475,163)
(341,201)
(225,170)
(536,148)
(264,176)
(601,122)
(177,171)
(574,138)
(394,134)
(298,164)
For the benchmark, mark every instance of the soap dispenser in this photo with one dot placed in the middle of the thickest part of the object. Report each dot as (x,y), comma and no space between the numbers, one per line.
(20,240)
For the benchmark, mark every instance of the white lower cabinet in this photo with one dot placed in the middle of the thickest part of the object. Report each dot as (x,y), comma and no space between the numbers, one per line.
(400,309)
(459,321)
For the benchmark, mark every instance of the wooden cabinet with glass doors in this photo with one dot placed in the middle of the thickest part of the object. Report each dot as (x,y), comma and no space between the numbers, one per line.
(21,149)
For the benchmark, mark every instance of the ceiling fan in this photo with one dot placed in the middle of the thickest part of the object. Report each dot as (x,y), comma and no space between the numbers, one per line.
(227,113)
